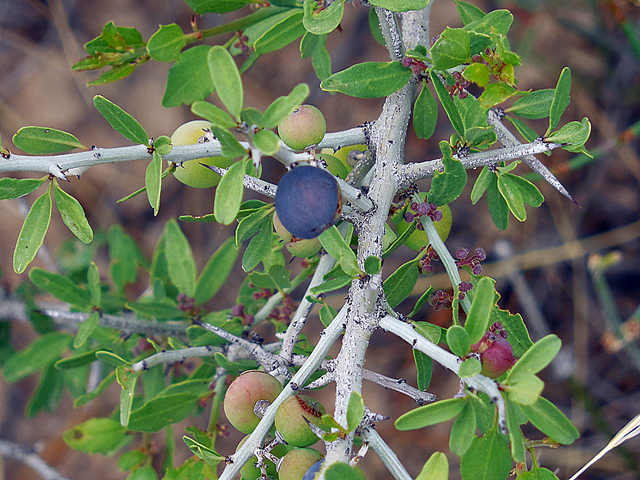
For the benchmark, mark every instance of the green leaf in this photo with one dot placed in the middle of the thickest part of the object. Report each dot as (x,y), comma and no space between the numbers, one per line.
(497,21)
(575,133)
(259,246)
(421,301)
(331,285)
(372,265)
(516,439)
(231,147)
(477,73)
(323,21)
(496,93)
(436,468)
(216,271)
(561,99)
(447,103)
(166,44)
(468,13)
(60,287)
(162,411)
(497,206)
(425,113)
(214,114)
(153,181)
(48,392)
(117,72)
(320,58)
(355,411)
(34,228)
(121,121)
(400,5)
(518,336)
(448,185)
(430,414)
(229,193)
(530,193)
(463,430)
(226,79)
(338,248)
(250,224)
(189,79)
(38,354)
(528,133)
(180,261)
(481,307)
(341,471)
(282,107)
(368,79)
(72,214)
(399,285)
(102,386)
(511,194)
(526,390)
(127,380)
(216,6)
(202,451)
(44,141)
(97,435)
(535,358)
(487,458)
(328,313)
(547,418)
(280,276)
(85,329)
(111,358)
(535,105)
(424,369)
(167,310)
(374,27)
(15,188)
(482,183)
(267,142)
(458,340)
(451,49)
(469,368)
(281,34)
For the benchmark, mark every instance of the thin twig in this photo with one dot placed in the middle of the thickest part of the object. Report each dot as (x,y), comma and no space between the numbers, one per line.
(29,456)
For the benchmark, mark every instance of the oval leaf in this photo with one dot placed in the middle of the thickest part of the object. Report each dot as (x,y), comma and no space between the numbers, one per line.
(153,181)
(458,340)
(537,357)
(368,79)
(165,45)
(215,115)
(229,193)
(436,468)
(425,113)
(561,98)
(38,354)
(33,230)
(326,20)
(400,5)
(267,142)
(281,34)
(120,120)
(481,307)
(226,79)
(535,105)
(72,214)
(180,262)
(60,287)
(547,418)
(282,107)
(15,188)
(216,271)
(43,141)
(189,79)
(430,414)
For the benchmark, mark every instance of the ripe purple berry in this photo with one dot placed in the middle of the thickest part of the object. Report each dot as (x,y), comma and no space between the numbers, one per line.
(308,201)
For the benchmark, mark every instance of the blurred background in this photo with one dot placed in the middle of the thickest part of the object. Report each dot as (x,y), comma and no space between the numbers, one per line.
(572,270)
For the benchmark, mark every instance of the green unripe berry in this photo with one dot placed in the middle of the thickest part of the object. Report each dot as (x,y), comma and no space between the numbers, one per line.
(290,420)
(306,126)
(295,463)
(250,472)
(242,395)
(191,173)
(298,247)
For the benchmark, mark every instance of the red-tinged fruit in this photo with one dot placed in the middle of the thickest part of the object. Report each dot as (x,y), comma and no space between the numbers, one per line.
(496,353)
(305,127)
(297,462)
(242,395)
(290,420)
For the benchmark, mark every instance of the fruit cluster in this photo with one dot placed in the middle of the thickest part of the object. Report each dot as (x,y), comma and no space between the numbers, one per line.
(246,398)
(496,353)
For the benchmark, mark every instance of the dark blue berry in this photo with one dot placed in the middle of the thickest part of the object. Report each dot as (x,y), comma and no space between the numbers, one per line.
(308,201)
